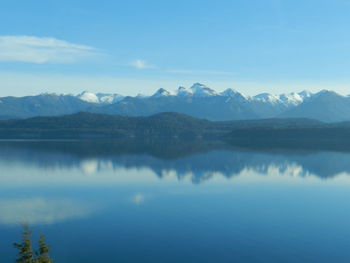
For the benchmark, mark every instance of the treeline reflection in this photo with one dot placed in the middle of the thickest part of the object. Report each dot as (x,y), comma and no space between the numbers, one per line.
(200,161)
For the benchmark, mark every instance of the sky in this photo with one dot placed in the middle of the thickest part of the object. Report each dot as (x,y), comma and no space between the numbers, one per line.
(138,46)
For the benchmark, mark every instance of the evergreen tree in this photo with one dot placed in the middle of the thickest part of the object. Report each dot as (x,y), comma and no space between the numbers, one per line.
(43,252)
(26,254)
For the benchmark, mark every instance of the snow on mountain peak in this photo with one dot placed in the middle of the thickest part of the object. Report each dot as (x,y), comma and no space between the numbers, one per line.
(233,94)
(198,85)
(161,93)
(267,97)
(291,98)
(182,91)
(89,97)
(99,97)
(109,98)
(200,90)
(305,94)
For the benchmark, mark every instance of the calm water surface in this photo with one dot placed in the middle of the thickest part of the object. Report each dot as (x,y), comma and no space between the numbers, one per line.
(112,202)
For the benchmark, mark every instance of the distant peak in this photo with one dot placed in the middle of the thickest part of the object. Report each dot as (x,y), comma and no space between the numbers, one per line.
(305,94)
(266,97)
(50,94)
(198,85)
(200,90)
(232,93)
(228,92)
(161,93)
(182,91)
(292,98)
(141,96)
(328,93)
(84,93)
(88,96)
(103,98)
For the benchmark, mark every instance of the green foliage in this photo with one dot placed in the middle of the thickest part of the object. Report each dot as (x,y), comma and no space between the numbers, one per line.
(43,252)
(26,253)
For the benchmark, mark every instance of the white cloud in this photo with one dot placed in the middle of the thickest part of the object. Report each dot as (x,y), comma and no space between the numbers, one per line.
(140,64)
(41,50)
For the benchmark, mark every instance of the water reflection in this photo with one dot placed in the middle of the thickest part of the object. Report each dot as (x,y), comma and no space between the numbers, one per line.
(199,162)
(231,205)
(41,210)
(138,199)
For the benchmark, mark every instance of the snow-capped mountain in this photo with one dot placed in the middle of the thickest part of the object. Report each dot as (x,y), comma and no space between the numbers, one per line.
(200,90)
(291,98)
(162,93)
(183,92)
(325,105)
(286,98)
(203,102)
(197,90)
(267,97)
(198,101)
(233,94)
(102,98)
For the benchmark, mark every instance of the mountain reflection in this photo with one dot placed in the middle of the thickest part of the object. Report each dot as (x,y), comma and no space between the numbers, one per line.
(198,161)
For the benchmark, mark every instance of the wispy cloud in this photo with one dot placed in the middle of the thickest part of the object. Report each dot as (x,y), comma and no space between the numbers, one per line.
(201,72)
(33,49)
(140,64)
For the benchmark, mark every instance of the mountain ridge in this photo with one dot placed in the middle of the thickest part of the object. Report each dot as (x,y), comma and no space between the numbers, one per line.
(162,125)
(198,101)
(290,133)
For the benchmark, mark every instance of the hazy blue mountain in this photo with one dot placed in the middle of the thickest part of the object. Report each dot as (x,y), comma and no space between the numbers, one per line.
(212,108)
(197,101)
(202,102)
(325,105)
(41,105)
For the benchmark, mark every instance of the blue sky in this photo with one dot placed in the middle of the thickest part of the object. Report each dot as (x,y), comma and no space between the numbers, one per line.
(132,47)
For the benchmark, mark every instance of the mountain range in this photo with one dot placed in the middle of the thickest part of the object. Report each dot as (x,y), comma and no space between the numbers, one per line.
(197,101)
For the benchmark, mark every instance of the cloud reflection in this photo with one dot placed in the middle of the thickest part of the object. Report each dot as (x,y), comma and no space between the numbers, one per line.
(107,163)
(41,211)
(138,199)
(89,166)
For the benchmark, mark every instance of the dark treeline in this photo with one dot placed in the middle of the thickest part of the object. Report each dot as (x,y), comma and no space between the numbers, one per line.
(182,129)
(166,125)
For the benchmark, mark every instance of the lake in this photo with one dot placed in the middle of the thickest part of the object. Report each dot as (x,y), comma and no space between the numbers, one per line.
(160,202)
